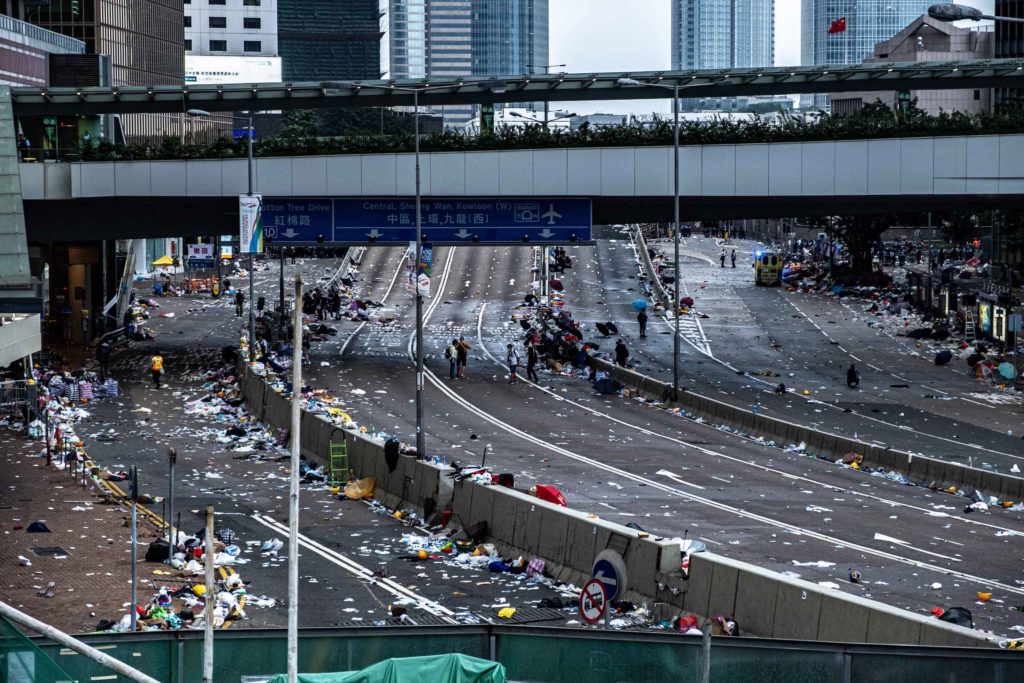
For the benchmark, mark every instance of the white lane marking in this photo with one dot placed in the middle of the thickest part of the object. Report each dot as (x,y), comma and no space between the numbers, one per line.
(387,293)
(905,544)
(677,479)
(356,569)
(706,451)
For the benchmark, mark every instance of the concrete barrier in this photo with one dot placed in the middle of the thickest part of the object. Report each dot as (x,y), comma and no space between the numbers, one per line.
(763,603)
(768,604)
(660,295)
(918,468)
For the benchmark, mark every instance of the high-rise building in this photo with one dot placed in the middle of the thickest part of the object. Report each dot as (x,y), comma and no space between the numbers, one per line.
(144,41)
(1009,42)
(867,22)
(509,37)
(722,34)
(329,39)
(231,27)
(471,38)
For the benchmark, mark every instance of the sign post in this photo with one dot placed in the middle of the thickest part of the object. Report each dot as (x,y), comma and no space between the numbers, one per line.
(593,602)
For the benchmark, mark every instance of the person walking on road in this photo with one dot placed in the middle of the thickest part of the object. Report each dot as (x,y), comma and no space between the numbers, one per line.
(641,319)
(733,257)
(532,358)
(512,357)
(452,353)
(156,366)
(621,353)
(852,377)
(721,257)
(103,356)
(239,303)
(461,358)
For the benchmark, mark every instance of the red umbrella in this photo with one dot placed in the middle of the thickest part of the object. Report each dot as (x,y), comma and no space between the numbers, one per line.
(550,494)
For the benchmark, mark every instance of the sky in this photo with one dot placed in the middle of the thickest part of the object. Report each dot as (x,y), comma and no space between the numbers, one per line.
(628,35)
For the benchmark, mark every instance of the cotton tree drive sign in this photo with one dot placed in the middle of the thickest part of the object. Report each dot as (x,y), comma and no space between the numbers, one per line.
(250,223)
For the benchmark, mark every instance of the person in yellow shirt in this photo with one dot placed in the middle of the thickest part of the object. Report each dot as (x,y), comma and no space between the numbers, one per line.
(156,365)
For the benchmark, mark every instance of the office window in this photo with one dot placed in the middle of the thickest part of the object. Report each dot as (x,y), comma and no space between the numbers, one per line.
(217,2)
(188,21)
(251,3)
(252,46)
(218,22)
(251,22)
(218,46)
(977,94)
(188,44)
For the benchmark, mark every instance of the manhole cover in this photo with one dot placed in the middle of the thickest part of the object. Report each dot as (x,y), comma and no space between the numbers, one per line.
(50,551)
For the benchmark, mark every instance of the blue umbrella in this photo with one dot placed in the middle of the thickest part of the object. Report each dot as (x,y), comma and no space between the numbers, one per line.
(1007,370)
(639,305)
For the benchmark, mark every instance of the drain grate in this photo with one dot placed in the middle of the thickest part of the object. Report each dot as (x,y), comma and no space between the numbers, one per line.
(50,551)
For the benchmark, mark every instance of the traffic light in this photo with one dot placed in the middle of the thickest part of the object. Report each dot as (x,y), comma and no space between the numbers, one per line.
(74,7)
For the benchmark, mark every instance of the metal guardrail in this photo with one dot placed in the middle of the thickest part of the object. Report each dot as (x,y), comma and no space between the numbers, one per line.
(12,393)
(538,653)
(37,33)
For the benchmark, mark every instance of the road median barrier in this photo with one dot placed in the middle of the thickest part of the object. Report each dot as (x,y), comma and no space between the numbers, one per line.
(763,603)
(919,469)
(657,289)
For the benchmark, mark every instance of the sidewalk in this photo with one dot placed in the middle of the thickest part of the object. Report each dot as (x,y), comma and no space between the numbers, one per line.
(91,562)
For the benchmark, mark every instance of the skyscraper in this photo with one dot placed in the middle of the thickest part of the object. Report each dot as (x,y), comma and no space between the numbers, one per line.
(868,22)
(1009,42)
(722,34)
(329,39)
(510,37)
(472,38)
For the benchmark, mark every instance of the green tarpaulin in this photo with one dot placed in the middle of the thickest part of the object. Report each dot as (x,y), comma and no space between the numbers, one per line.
(453,668)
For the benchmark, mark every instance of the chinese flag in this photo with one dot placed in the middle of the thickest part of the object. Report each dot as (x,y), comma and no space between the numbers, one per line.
(837,26)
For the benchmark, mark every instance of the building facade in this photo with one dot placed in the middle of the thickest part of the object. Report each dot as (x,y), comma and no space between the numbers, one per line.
(868,22)
(927,40)
(509,37)
(25,51)
(1009,42)
(231,27)
(722,34)
(329,39)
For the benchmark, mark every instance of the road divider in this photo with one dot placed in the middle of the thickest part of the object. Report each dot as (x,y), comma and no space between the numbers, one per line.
(919,469)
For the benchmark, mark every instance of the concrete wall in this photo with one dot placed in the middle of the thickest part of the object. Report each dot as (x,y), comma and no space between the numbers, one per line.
(919,469)
(768,604)
(764,603)
(980,164)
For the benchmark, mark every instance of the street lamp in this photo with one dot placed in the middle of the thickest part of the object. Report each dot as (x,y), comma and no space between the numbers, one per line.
(675,87)
(252,257)
(547,69)
(495,86)
(950,12)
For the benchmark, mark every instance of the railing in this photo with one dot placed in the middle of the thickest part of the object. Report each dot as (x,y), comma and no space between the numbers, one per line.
(35,32)
(532,653)
(12,393)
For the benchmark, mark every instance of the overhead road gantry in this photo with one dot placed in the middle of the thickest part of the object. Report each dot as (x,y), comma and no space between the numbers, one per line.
(563,87)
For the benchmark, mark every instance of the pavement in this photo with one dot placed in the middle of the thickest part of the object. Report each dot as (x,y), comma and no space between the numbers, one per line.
(353,555)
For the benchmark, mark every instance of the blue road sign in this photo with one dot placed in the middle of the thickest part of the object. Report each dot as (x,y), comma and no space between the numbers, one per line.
(443,221)
(610,569)
(198,263)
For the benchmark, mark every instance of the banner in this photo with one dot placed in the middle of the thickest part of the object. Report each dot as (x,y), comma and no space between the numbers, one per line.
(426,264)
(250,223)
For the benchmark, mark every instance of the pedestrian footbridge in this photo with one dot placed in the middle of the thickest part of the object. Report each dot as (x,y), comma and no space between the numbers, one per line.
(153,198)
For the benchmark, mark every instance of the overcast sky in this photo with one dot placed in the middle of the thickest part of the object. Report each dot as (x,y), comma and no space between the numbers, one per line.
(634,35)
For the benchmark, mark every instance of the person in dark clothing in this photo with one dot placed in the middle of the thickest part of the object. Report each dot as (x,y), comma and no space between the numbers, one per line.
(733,257)
(461,358)
(852,377)
(621,353)
(641,319)
(103,356)
(532,358)
(239,303)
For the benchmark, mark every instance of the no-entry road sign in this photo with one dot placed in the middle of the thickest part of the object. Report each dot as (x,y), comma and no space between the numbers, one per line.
(592,601)
(444,221)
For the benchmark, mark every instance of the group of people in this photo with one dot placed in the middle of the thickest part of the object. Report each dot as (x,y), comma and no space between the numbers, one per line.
(457,354)
(321,304)
(721,257)
(559,261)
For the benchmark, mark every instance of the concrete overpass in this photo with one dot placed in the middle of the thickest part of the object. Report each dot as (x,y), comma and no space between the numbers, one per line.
(107,200)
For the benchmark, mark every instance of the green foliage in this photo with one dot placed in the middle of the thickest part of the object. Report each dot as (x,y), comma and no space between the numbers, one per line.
(359,133)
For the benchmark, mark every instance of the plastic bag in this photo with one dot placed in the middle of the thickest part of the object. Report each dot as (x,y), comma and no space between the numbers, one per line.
(360,488)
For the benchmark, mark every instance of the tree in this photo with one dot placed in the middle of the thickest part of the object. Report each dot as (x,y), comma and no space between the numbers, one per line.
(859,234)
(959,227)
(297,123)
